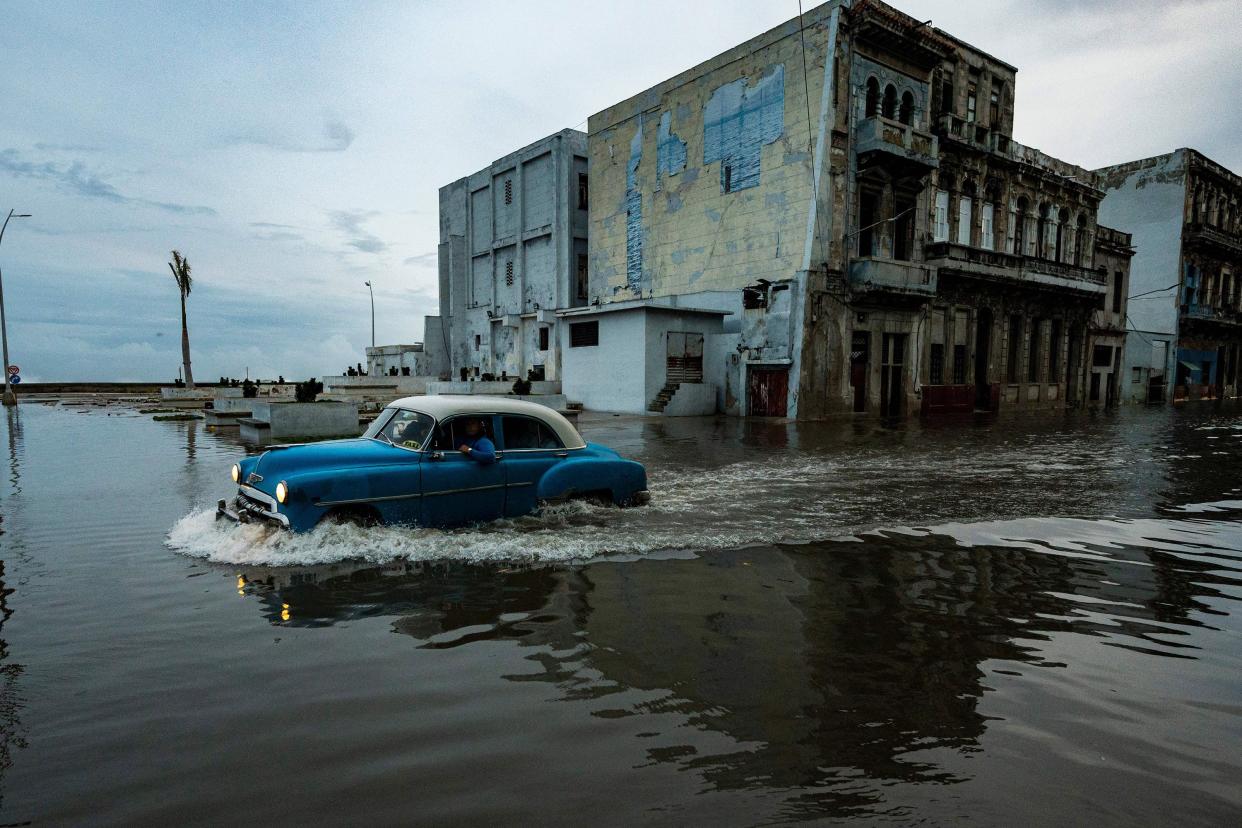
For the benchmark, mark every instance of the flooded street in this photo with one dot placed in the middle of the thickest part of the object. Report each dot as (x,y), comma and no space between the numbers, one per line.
(1028,621)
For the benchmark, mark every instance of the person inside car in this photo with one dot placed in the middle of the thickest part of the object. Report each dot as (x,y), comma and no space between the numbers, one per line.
(476,446)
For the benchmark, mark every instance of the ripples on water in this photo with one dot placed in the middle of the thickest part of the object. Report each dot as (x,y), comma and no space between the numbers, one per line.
(1024,622)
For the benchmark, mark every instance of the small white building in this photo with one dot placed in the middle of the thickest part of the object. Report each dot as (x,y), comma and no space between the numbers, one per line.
(397,361)
(640,357)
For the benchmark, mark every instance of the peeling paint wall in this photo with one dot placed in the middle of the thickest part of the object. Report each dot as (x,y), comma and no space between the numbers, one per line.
(671,157)
(738,121)
(634,215)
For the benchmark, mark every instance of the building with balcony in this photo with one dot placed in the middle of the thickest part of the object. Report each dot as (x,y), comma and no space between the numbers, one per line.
(512,253)
(845,190)
(1185,294)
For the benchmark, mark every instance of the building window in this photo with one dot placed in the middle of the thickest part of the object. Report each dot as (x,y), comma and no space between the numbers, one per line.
(728,178)
(1019,228)
(987,213)
(1080,241)
(1032,354)
(906,113)
(959,364)
(868,204)
(1102,356)
(581,281)
(478,340)
(903,228)
(994,103)
(941,231)
(946,96)
(937,364)
(508,191)
(1117,285)
(584,191)
(972,104)
(1015,348)
(1062,223)
(509,273)
(543,339)
(1136,375)
(890,101)
(583,334)
(873,97)
(1054,350)
(965,216)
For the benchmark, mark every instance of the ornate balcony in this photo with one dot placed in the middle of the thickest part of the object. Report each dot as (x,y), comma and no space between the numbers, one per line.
(1203,236)
(1229,317)
(995,265)
(880,140)
(888,276)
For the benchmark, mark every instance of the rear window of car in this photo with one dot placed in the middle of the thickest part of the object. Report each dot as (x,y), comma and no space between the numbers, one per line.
(528,433)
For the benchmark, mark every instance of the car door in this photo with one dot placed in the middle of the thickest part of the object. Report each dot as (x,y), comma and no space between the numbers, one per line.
(531,448)
(457,489)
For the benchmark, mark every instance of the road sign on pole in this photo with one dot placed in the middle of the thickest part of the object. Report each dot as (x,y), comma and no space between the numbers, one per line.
(13,369)
(14,379)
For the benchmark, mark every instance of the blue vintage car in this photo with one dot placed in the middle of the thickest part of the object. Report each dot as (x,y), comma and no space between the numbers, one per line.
(414,465)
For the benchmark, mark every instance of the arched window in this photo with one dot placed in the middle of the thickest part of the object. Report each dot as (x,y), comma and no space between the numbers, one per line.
(1062,224)
(873,97)
(1080,239)
(890,101)
(906,114)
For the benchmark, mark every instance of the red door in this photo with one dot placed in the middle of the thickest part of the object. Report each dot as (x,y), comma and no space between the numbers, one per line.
(768,392)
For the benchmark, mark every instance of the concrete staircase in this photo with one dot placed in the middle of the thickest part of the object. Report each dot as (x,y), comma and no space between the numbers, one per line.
(662,399)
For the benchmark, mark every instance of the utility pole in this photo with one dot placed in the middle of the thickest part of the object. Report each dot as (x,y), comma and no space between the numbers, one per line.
(9,397)
(372,292)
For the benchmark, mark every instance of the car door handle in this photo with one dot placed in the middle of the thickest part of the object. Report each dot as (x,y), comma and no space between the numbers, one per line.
(561,454)
(436,455)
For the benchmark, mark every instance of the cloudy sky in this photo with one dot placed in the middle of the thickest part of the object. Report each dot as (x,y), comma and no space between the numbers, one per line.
(293,151)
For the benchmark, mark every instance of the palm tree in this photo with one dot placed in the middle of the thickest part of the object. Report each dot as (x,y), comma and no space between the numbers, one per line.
(180,267)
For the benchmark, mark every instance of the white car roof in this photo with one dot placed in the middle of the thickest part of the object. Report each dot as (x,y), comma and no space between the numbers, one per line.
(442,406)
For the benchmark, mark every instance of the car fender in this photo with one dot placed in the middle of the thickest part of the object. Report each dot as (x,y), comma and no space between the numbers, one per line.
(622,478)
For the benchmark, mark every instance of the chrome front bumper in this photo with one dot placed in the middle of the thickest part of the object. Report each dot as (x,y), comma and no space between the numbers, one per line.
(248,506)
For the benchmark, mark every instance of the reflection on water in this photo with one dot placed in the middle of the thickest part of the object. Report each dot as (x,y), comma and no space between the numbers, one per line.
(835,670)
(1017,622)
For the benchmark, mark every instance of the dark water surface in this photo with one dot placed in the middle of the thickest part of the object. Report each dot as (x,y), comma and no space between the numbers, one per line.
(1025,622)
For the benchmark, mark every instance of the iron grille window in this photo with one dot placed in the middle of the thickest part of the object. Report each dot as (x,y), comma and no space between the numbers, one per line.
(937,364)
(584,192)
(583,334)
(509,274)
(959,364)
(508,191)
(582,281)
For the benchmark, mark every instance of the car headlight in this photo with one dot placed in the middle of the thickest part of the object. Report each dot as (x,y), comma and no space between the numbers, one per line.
(282,491)
(236,472)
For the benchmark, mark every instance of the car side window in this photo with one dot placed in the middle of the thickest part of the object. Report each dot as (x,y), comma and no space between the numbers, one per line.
(451,433)
(528,433)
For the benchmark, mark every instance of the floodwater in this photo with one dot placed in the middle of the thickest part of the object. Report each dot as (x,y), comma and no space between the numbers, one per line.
(1032,621)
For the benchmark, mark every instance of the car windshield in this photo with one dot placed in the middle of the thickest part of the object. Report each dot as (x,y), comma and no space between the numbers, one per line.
(408,429)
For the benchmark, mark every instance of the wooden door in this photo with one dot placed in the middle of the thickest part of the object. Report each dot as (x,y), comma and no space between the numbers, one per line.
(768,392)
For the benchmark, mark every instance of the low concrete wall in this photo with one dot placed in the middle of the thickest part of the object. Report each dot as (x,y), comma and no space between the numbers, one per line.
(692,400)
(202,393)
(376,385)
(242,403)
(318,419)
(497,388)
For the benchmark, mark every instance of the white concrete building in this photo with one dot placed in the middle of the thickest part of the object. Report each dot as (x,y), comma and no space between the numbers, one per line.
(513,251)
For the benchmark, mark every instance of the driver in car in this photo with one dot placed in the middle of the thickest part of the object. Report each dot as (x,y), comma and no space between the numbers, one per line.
(476,446)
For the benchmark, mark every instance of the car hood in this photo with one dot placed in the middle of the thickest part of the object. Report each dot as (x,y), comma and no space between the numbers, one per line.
(279,463)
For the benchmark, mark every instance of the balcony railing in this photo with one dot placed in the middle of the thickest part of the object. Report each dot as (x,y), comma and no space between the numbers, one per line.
(883,136)
(892,277)
(996,263)
(1200,234)
(1207,313)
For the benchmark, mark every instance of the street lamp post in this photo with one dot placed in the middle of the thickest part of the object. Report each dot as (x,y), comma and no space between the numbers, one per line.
(372,292)
(9,397)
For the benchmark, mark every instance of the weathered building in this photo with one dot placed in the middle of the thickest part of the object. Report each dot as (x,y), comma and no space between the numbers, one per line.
(881,244)
(1185,306)
(512,252)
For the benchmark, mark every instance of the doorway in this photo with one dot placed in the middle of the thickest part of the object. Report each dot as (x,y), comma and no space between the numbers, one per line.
(983,346)
(892,375)
(860,363)
(768,392)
